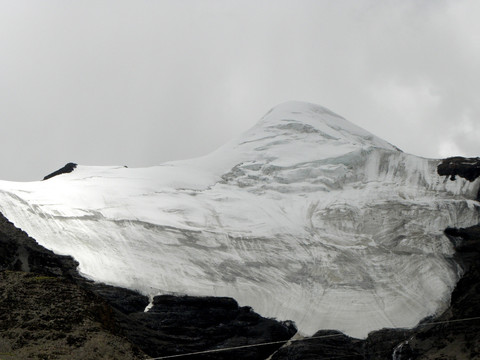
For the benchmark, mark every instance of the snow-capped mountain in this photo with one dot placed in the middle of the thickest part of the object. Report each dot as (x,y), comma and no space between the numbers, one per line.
(304,217)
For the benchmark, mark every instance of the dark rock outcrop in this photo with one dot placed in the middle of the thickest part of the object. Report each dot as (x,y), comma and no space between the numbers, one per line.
(68,168)
(323,344)
(124,300)
(20,252)
(467,168)
(182,324)
(328,344)
(193,323)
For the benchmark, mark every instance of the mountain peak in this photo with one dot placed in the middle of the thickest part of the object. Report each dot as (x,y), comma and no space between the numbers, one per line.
(303,117)
(293,133)
(300,107)
(305,217)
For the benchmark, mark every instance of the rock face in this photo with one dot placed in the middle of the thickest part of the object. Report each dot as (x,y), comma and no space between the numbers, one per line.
(467,168)
(48,311)
(68,168)
(333,344)
(19,252)
(188,324)
(49,317)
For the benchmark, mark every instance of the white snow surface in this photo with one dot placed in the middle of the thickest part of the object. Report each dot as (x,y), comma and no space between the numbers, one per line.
(305,217)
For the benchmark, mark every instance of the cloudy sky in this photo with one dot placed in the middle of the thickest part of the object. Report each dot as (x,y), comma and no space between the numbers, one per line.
(138,83)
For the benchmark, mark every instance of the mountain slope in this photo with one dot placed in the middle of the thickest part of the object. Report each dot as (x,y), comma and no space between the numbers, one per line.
(304,217)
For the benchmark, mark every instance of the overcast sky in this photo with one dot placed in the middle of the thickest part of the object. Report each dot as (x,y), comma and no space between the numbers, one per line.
(140,82)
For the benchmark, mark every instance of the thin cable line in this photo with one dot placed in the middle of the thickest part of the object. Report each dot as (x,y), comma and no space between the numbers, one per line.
(450,321)
(242,347)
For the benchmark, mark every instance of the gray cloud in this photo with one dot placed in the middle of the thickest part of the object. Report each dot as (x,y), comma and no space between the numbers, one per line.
(143,82)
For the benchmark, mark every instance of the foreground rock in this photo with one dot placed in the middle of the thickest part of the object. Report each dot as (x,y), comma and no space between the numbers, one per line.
(185,324)
(45,317)
(48,311)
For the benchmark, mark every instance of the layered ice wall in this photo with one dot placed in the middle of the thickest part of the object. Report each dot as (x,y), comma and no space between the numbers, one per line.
(304,217)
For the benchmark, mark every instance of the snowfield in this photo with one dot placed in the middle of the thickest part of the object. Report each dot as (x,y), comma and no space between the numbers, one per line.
(304,217)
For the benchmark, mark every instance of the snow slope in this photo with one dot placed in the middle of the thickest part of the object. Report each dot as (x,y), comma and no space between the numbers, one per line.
(304,217)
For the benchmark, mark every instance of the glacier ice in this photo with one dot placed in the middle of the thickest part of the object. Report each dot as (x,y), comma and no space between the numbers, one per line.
(304,217)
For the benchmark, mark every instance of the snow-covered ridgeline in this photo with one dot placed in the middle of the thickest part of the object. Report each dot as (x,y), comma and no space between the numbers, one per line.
(304,217)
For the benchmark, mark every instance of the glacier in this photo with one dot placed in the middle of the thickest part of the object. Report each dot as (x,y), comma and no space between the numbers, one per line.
(305,217)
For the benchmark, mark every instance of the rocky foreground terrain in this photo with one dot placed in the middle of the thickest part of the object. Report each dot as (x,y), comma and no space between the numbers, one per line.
(48,311)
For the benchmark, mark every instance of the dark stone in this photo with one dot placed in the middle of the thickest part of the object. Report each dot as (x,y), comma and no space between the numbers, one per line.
(125,300)
(465,240)
(68,168)
(194,324)
(323,344)
(20,252)
(332,344)
(404,352)
(467,168)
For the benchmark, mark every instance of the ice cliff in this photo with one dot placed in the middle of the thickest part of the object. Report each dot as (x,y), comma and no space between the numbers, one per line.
(304,217)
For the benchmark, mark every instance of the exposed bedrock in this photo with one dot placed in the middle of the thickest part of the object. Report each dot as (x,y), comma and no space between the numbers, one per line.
(49,311)
(467,168)
(190,324)
(20,252)
(68,168)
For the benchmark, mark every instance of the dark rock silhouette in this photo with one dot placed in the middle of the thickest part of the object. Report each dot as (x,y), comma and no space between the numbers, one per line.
(467,168)
(68,168)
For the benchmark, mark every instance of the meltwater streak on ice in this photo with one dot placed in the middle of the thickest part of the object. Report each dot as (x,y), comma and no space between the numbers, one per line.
(304,217)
